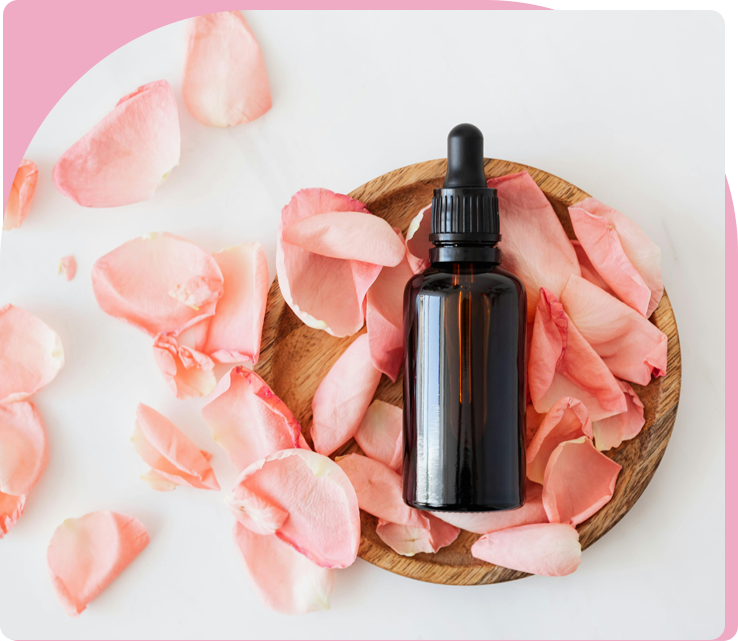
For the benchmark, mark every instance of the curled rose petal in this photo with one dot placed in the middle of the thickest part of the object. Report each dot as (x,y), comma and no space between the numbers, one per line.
(548,549)
(408,541)
(188,373)
(566,420)
(632,347)
(325,293)
(225,81)
(124,157)
(343,397)
(285,580)
(23,458)
(534,245)
(379,491)
(380,434)
(621,252)
(417,242)
(169,453)
(234,333)
(160,283)
(562,363)
(248,420)
(21,195)
(68,266)
(611,432)
(579,481)
(323,514)
(587,268)
(486,522)
(86,554)
(31,354)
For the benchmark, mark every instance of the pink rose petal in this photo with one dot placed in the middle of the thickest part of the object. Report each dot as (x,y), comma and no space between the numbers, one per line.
(234,333)
(611,432)
(621,252)
(325,293)
(31,354)
(23,458)
(566,420)
(285,580)
(323,522)
(534,245)
(380,434)
(68,266)
(343,397)
(124,157)
(21,195)
(169,452)
(632,347)
(548,549)
(588,269)
(562,363)
(408,541)
(160,283)
(248,420)
(417,242)
(578,482)
(188,373)
(86,554)
(225,81)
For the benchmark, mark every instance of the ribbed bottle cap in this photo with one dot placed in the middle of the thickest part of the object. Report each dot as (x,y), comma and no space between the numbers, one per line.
(465,209)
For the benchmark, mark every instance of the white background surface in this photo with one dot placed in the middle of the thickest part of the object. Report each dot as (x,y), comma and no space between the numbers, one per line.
(627,106)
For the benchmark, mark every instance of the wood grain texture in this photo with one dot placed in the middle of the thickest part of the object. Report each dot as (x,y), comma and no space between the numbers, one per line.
(295,358)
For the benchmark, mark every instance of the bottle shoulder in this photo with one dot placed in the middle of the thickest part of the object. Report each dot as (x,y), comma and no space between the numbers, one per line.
(451,276)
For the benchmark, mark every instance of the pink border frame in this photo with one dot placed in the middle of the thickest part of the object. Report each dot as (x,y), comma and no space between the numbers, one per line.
(34,83)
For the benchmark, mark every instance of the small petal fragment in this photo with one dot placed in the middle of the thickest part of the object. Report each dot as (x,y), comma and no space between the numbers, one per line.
(86,554)
(160,283)
(547,549)
(408,541)
(21,195)
(31,354)
(188,373)
(323,522)
(225,80)
(632,347)
(124,157)
(285,580)
(234,333)
(621,252)
(534,245)
(248,420)
(380,434)
(343,397)
(417,242)
(169,452)
(11,508)
(578,482)
(68,266)
(611,432)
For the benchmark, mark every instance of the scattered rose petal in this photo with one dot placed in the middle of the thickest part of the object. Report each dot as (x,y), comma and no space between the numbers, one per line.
(234,334)
(248,420)
(124,157)
(588,270)
(343,397)
(188,373)
(611,432)
(169,452)
(160,283)
(23,458)
(621,252)
(562,363)
(548,549)
(31,354)
(534,245)
(68,266)
(408,541)
(21,195)
(533,421)
(380,434)
(417,242)
(325,293)
(632,347)
(86,554)
(579,481)
(225,80)
(323,522)
(566,420)
(157,482)
(285,580)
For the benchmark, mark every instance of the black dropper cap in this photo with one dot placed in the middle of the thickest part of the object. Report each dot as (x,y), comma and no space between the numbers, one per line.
(465,210)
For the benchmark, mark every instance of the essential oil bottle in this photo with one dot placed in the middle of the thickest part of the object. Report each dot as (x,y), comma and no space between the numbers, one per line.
(465,325)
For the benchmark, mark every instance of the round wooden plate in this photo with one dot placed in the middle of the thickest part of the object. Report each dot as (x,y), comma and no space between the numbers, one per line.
(295,358)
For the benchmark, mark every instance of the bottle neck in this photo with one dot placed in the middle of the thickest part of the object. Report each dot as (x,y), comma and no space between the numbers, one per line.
(445,252)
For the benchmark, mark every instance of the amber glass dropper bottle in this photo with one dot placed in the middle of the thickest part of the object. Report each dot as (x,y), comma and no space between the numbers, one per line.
(465,324)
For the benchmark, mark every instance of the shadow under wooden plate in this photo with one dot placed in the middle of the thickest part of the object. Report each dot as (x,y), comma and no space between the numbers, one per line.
(295,358)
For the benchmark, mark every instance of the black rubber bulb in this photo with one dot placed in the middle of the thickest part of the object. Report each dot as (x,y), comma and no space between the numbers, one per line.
(465,157)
